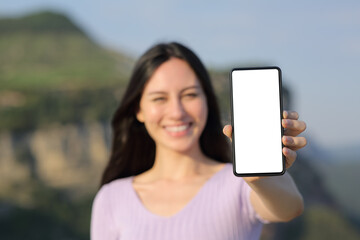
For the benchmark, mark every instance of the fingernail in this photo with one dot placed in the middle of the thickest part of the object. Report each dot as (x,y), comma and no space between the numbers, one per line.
(286,121)
(288,139)
(286,150)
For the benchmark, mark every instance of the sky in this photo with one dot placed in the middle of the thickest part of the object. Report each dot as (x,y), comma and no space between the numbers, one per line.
(315,43)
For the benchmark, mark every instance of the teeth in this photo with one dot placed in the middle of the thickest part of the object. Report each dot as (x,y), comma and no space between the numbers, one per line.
(177,128)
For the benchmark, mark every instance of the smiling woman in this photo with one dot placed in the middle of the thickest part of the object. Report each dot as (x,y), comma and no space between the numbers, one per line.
(132,139)
(169,175)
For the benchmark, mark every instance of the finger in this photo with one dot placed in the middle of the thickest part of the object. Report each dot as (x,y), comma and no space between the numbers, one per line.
(294,143)
(227,130)
(290,156)
(294,124)
(290,115)
(293,127)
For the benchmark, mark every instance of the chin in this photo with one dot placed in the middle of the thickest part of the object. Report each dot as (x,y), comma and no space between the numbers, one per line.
(182,147)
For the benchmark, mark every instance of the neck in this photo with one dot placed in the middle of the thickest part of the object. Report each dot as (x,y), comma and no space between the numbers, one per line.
(176,165)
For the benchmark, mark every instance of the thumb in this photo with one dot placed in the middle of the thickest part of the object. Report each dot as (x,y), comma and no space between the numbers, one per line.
(227,130)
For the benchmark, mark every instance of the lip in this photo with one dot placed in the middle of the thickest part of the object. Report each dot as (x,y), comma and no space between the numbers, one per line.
(178,130)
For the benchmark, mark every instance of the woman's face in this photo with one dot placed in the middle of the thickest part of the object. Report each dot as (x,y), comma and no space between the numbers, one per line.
(173,107)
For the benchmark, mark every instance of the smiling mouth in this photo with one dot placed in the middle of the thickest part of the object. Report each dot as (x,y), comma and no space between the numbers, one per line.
(176,129)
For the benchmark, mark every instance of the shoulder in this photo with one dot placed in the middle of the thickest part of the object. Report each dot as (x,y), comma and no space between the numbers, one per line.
(112,199)
(236,193)
(113,190)
(240,191)
(117,184)
(104,216)
(227,176)
(227,184)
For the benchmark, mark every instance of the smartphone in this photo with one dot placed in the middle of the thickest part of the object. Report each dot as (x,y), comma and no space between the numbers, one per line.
(256,103)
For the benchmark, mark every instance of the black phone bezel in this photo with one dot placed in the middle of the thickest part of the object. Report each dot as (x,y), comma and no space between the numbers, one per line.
(233,127)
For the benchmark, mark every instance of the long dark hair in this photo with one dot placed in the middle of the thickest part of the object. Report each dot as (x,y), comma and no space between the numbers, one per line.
(133,150)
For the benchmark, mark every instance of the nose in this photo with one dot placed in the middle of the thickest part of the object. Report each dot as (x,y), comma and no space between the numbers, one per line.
(176,109)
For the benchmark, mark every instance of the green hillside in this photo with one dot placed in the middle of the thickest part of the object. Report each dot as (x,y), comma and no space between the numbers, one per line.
(47,51)
(51,71)
(39,22)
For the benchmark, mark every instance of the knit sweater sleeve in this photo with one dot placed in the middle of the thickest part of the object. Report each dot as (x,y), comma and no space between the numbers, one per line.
(253,215)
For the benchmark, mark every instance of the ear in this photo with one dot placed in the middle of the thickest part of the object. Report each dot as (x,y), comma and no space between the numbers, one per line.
(140,115)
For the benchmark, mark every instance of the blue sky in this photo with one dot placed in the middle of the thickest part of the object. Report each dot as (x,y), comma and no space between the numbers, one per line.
(316,43)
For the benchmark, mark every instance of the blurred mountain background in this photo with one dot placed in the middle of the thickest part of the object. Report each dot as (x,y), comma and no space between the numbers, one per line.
(58,91)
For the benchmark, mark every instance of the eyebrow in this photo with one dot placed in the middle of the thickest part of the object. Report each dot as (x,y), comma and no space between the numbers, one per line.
(183,90)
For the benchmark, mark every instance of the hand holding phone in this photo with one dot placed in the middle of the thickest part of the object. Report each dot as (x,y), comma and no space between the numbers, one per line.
(256,104)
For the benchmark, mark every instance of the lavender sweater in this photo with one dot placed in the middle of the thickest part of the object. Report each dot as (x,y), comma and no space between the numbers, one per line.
(220,210)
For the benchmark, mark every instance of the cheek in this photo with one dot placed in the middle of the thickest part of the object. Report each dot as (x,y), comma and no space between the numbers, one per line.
(152,114)
(151,120)
(200,110)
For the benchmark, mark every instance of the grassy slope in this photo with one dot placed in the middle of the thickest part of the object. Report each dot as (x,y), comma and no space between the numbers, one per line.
(36,57)
(54,61)
(50,71)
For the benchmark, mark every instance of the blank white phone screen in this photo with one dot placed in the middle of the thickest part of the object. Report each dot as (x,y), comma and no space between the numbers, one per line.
(257,121)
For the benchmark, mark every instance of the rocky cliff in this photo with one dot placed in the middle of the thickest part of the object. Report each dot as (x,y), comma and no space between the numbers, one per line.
(69,157)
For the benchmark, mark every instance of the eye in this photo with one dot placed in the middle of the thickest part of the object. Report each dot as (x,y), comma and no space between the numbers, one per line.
(191,95)
(159,99)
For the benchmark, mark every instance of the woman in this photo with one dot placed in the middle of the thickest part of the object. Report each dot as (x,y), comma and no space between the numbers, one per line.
(169,175)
